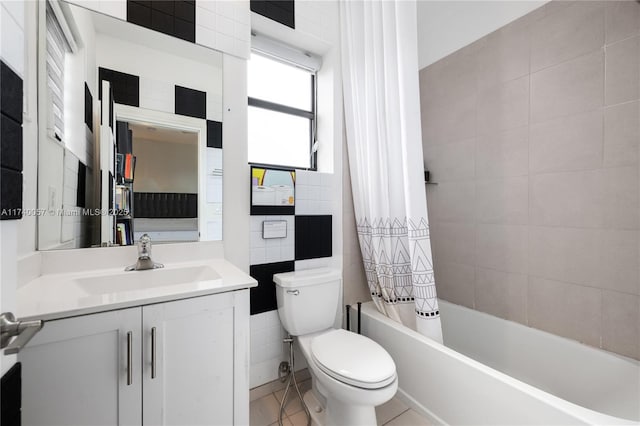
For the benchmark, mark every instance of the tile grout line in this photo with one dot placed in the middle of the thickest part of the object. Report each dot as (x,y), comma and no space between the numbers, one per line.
(393,418)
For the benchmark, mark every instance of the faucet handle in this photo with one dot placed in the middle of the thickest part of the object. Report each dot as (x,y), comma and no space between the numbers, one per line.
(144,246)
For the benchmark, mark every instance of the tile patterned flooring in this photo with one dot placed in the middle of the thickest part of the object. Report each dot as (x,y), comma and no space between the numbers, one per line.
(265,407)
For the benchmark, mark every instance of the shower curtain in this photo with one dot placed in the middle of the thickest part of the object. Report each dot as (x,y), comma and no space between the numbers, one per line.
(382,113)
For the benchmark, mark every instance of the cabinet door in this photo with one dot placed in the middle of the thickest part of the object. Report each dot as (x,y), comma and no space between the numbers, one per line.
(74,371)
(194,362)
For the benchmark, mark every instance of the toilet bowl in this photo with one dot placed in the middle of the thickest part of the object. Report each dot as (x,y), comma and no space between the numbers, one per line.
(352,373)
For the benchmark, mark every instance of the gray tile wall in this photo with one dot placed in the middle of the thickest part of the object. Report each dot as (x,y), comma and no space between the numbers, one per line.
(532,134)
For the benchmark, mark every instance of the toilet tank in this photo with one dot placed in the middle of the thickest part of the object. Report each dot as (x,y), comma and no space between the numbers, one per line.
(308,300)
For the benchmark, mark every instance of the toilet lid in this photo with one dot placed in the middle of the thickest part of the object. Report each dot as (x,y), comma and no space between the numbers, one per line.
(353,359)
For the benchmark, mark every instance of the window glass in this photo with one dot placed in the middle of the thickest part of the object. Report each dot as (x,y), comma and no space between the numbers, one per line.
(278,138)
(274,81)
(281,113)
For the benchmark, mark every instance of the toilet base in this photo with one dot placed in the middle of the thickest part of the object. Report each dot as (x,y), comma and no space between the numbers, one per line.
(316,409)
(341,414)
(338,414)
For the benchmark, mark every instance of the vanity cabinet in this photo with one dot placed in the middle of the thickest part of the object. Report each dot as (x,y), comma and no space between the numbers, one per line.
(74,371)
(192,381)
(172,363)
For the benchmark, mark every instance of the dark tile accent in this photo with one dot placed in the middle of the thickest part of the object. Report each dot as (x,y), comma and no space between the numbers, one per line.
(145,3)
(111,184)
(11,87)
(11,396)
(139,13)
(10,93)
(88,107)
(313,236)
(282,11)
(165,205)
(214,134)
(82,185)
(111,107)
(174,18)
(191,102)
(263,297)
(272,210)
(165,6)
(126,87)
(185,11)
(124,138)
(10,143)
(10,194)
(162,22)
(184,30)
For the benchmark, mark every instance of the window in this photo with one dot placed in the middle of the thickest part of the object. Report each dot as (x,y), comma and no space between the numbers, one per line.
(57,47)
(282,113)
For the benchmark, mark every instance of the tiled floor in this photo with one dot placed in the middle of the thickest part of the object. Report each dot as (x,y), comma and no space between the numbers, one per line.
(265,409)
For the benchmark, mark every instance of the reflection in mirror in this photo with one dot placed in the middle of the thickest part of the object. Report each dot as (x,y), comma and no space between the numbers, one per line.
(161,199)
(160,175)
(133,134)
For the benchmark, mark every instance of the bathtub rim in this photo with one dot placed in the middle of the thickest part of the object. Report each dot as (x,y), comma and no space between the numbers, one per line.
(581,413)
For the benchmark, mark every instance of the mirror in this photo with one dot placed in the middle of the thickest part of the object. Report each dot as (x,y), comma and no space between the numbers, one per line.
(132,134)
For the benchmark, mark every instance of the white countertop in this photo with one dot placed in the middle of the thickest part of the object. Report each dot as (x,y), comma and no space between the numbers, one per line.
(58,295)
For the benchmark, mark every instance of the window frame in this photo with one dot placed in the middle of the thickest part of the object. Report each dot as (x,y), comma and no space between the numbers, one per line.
(55,41)
(312,115)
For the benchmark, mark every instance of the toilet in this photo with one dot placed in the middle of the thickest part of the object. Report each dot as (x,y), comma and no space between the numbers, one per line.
(352,373)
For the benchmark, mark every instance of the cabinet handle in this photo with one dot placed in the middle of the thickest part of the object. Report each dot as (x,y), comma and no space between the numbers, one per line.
(153,352)
(129,358)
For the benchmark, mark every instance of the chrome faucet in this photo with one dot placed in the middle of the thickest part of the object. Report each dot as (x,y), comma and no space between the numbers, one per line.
(144,256)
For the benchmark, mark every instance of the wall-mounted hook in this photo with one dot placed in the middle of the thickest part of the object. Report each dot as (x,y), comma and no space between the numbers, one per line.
(427,178)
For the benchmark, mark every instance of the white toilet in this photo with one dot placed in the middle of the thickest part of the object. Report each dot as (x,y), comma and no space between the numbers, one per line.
(351,372)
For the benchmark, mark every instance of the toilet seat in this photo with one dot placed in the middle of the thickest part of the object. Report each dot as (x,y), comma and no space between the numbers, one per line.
(353,359)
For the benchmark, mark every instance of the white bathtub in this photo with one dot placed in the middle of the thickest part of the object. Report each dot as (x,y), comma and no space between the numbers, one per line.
(494,371)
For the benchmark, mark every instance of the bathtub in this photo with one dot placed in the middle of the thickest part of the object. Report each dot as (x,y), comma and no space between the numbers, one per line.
(497,372)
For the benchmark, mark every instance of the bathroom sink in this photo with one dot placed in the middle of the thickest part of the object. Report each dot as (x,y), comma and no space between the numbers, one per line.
(141,280)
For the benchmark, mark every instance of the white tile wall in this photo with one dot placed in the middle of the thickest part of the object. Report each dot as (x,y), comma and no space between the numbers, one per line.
(221,25)
(214,189)
(204,35)
(273,249)
(160,71)
(214,175)
(317,25)
(157,95)
(266,347)
(224,26)
(214,194)
(214,159)
(71,233)
(214,227)
(115,8)
(313,192)
(16,10)
(12,35)
(70,180)
(214,106)
(319,18)
(322,262)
